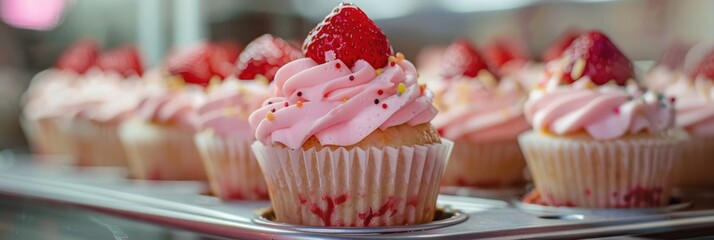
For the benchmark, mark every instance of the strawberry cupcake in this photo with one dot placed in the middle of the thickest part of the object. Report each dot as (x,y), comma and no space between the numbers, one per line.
(598,139)
(49,95)
(225,136)
(483,116)
(695,95)
(112,96)
(159,141)
(346,140)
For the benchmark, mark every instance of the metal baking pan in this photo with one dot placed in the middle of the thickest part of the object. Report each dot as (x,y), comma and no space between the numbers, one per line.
(182,204)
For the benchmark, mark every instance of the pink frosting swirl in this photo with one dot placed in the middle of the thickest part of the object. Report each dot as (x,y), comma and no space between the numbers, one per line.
(695,104)
(176,107)
(474,110)
(227,108)
(604,112)
(338,105)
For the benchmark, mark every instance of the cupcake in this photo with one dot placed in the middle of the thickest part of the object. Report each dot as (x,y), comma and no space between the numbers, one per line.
(225,136)
(598,139)
(159,142)
(346,139)
(48,98)
(695,96)
(483,116)
(111,97)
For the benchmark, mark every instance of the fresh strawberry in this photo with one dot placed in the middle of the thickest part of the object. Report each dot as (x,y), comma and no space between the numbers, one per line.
(462,59)
(199,63)
(349,35)
(264,56)
(705,68)
(556,48)
(502,51)
(79,57)
(603,61)
(124,60)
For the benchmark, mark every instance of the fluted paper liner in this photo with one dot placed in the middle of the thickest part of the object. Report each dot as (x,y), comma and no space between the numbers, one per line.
(233,171)
(485,165)
(603,174)
(56,135)
(354,188)
(34,137)
(694,170)
(158,152)
(97,144)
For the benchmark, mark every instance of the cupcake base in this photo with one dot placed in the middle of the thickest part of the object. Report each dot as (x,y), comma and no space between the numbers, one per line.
(156,152)
(630,172)
(356,187)
(495,165)
(97,144)
(233,171)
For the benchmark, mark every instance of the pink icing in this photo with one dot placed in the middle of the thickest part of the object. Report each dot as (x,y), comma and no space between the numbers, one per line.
(172,107)
(604,112)
(472,110)
(659,78)
(340,106)
(227,108)
(695,104)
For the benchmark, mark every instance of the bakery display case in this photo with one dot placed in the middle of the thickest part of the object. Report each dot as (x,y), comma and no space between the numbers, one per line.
(228,119)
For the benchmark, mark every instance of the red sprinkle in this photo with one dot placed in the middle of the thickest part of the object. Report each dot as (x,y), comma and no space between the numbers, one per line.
(287,104)
(380,92)
(352,78)
(384,105)
(392,64)
(299,94)
(616,110)
(672,99)
(338,65)
(376,101)
(273,110)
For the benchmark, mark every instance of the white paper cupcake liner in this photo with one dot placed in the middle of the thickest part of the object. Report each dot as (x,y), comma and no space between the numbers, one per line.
(603,174)
(485,165)
(33,135)
(56,135)
(694,170)
(97,144)
(233,171)
(157,152)
(354,188)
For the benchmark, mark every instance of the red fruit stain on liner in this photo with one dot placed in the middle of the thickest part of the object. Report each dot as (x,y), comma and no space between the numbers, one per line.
(326,214)
(387,207)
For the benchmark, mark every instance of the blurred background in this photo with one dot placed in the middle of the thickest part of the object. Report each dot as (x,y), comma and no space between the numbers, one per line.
(34,32)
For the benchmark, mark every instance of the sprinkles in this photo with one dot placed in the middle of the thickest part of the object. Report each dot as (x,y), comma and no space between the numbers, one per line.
(272,110)
(299,94)
(616,110)
(352,78)
(401,88)
(337,65)
(378,71)
(270,116)
(380,92)
(287,104)
(299,104)
(400,57)
(384,105)
(376,101)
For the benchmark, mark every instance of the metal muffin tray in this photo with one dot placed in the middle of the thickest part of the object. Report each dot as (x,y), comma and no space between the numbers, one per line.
(182,204)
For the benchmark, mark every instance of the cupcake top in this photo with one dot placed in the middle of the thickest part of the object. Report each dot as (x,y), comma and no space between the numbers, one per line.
(346,88)
(229,104)
(695,98)
(669,67)
(473,104)
(591,89)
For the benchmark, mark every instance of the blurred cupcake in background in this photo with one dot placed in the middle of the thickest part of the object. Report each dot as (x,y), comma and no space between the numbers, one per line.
(345,139)
(224,135)
(506,55)
(49,95)
(483,116)
(695,113)
(598,139)
(669,68)
(159,141)
(106,99)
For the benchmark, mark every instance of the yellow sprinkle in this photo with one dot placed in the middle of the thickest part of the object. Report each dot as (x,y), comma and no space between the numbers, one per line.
(378,72)
(345,99)
(401,89)
(589,85)
(392,59)
(578,68)
(400,56)
(270,116)
(299,104)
